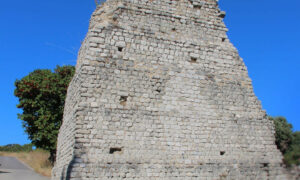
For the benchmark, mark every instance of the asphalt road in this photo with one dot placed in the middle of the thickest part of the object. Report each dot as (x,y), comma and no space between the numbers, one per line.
(13,169)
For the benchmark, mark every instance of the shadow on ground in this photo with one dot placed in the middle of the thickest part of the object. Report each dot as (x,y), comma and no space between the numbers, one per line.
(4,172)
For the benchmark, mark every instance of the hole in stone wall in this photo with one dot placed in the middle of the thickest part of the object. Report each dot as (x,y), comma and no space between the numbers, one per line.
(115,150)
(265,164)
(222,153)
(193,60)
(223,39)
(120,49)
(123,100)
(173,29)
(197,6)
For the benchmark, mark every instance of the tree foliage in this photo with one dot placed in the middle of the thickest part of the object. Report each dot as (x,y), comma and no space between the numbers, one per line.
(284,133)
(41,97)
(287,141)
(292,156)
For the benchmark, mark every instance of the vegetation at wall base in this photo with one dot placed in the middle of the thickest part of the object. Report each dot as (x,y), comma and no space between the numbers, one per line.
(37,159)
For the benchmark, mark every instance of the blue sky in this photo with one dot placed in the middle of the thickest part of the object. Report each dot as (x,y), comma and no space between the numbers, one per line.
(42,34)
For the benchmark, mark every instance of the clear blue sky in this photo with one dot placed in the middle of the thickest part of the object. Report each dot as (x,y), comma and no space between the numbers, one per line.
(42,34)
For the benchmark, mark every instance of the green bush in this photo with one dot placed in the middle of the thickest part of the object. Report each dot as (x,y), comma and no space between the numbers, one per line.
(16,148)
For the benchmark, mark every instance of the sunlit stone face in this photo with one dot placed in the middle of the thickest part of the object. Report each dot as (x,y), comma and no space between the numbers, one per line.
(161,93)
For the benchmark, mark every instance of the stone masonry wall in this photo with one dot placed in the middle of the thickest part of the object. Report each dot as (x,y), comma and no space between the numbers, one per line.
(160,93)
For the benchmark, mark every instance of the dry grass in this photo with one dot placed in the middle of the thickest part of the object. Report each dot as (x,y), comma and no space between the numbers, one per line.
(37,160)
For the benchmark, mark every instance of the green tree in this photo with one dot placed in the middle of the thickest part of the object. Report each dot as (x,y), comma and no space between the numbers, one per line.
(292,156)
(41,97)
(287,141)
(283,134)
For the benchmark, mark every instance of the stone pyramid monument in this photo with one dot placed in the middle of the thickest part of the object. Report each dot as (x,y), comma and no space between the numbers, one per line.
(160,93)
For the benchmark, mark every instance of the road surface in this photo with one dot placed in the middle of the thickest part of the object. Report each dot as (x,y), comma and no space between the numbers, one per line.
(13,169)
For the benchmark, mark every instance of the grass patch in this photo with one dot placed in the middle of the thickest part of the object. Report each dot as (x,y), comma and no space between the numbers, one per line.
(37,160)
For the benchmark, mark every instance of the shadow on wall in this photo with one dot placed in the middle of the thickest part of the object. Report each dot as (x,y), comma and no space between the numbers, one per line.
(69,170)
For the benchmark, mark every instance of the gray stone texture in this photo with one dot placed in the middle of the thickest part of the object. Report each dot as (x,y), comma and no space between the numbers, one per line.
(160,93)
